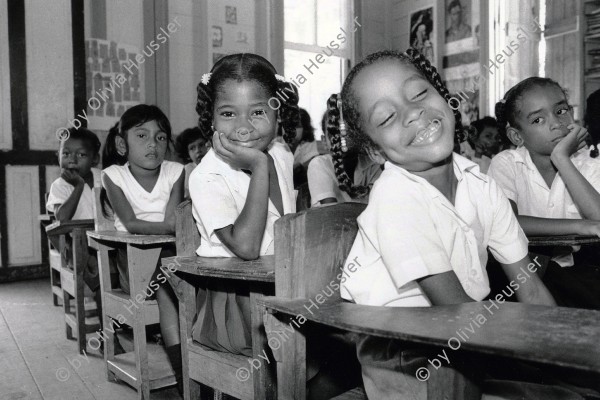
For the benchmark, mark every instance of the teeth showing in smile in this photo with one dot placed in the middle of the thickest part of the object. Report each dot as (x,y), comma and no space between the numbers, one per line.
(427,133)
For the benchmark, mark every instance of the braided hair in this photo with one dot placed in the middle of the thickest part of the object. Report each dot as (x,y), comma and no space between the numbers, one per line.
(248,67)
(356,138)
(592,120)
(508,108)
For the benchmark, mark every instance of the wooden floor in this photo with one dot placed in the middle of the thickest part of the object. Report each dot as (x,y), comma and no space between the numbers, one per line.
(36,359)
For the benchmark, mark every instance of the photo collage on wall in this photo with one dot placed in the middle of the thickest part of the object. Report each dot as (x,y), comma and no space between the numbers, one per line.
(233,29)
(111,88)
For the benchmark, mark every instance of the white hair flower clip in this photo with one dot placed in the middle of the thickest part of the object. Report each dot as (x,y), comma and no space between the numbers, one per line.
(205,78)
(279,78)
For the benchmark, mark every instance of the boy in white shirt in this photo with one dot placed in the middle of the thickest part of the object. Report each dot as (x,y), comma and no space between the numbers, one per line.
(71,196)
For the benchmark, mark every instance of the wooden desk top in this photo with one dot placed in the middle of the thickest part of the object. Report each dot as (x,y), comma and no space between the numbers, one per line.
(59,228)
(45,217)
(125,237)
(569,240)
(566,337)
(261,269)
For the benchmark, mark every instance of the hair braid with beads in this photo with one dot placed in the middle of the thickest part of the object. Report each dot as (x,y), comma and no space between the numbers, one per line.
(248,67)
(356,138)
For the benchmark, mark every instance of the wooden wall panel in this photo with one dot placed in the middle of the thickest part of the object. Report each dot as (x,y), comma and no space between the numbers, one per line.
(23,208)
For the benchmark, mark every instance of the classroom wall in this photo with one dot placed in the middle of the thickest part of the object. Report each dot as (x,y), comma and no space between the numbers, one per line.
(187,60)
(376,27)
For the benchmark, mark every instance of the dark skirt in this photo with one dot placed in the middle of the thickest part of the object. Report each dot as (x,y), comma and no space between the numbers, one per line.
(223,320)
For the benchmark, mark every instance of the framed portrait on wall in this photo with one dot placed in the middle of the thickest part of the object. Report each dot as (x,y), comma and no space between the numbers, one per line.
(461,55)
(422,33)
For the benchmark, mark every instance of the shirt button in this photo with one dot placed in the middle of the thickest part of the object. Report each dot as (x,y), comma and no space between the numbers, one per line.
(551,204)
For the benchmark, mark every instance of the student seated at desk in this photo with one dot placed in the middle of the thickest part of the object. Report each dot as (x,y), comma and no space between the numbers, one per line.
(432,214)
(241,187)
(552,183)
(71,196)
(322,179)
(243,184)
(143,190)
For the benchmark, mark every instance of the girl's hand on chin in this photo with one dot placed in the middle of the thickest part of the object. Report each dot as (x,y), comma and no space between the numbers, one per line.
(239,157)
(570,144)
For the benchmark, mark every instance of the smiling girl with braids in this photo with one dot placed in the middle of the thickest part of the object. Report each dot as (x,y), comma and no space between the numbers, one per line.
(241,186)
(432,215)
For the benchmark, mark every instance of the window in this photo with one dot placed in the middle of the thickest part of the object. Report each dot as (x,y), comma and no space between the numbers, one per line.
(318,50)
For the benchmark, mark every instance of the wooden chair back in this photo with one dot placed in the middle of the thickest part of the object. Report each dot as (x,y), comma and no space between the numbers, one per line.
(188,237)
(311,248)
(102,222)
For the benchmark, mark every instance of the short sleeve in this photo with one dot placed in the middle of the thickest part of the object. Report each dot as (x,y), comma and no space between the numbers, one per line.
(213,203)
(174,172)
(113,173)
(59,193)
(508,243)
(320,183)
(503,170)
(410,246)
(590,169)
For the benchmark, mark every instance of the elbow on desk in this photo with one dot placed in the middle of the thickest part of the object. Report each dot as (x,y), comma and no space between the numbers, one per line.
(246,252)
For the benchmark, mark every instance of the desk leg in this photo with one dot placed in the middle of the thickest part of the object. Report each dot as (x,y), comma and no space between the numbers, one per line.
(141,263)
(186,293)
(79,246)
(289,350)
(108,328)
(265,387)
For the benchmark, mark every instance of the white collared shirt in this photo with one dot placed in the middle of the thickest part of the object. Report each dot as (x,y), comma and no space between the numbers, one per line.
(61,190)
(522,183)
(219,193)
(410,230)
(147,206)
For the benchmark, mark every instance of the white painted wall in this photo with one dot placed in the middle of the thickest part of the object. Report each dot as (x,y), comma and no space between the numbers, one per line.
(49,70)
(188,60)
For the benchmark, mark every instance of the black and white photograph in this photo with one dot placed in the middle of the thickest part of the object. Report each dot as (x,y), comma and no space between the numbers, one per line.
(422,33)
(299,199)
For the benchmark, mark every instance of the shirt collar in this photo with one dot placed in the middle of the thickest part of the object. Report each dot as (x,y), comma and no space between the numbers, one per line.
(522,156)
(461,166)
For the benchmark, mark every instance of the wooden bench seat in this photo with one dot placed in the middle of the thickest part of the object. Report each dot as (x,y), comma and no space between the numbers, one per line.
(130,238)
(262,270)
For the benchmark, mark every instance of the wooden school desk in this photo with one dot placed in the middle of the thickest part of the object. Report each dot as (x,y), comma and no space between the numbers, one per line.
(566,240)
